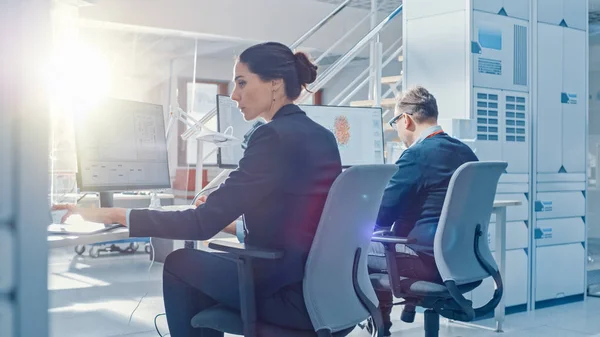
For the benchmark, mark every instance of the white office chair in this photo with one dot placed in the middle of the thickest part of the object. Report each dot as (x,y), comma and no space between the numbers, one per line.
(337,290)
(461,252)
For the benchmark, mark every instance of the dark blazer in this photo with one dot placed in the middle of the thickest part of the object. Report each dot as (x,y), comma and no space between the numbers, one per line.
(280,187)
(414,198)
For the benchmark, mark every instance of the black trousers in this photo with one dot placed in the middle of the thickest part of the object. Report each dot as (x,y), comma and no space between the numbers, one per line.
(194,280)
(409,264)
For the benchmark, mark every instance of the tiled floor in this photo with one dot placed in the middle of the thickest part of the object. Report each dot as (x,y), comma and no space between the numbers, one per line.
(96,298)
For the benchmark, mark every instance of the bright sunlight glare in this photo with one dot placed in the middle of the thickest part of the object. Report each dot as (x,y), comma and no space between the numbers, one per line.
(77,77)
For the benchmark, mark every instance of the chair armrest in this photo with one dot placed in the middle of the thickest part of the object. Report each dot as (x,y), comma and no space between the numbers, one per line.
(243,250)
(385,237)
(389,242)
(383,233)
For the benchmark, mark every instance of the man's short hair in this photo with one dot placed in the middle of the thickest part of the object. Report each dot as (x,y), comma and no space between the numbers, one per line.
(419,103)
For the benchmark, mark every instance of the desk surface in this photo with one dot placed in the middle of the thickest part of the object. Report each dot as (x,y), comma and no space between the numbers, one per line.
(506,203)
(56,241)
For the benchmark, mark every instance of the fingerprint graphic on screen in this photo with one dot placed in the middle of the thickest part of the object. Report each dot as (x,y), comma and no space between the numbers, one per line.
(342,130)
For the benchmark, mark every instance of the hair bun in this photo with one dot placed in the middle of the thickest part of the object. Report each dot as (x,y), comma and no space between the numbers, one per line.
(307,71)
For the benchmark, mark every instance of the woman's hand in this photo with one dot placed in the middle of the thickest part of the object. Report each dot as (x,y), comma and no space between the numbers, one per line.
(201,199)
(99,215)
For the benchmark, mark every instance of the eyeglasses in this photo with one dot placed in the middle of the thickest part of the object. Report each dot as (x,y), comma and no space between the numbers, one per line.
(395,120)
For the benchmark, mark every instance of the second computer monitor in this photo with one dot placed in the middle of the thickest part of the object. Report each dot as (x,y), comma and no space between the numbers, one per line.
(358,131)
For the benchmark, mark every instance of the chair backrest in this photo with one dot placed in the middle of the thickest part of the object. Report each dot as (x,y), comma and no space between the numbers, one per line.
(346,225)
(469,203)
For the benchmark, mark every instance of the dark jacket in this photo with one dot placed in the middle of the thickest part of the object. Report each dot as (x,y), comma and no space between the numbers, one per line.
(280,187)
(413,199)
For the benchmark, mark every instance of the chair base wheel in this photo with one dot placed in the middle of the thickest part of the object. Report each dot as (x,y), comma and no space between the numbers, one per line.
(432,323)
(408,313)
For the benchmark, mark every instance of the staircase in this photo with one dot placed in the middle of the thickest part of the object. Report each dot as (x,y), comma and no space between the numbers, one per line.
(372,75)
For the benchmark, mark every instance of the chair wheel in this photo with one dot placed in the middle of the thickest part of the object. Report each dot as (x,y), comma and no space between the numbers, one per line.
(80,249)
(94,252)
(408,313)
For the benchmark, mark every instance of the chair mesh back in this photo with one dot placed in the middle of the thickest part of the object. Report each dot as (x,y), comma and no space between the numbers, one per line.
(468,203)
(346,225)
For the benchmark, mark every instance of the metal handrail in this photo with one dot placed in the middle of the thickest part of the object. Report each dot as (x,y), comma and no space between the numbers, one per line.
(319,25)
(364,82)
(349,56)
(335,100)
(338,41)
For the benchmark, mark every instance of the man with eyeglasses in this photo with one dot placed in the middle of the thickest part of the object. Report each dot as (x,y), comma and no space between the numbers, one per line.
(413,200)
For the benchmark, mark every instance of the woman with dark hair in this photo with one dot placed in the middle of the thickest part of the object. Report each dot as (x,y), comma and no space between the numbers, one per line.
(280,188)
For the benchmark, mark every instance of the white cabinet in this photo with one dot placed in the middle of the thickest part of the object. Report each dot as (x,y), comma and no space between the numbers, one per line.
(559,271)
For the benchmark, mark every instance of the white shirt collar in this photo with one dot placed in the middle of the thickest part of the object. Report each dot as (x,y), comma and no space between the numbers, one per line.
(426,133)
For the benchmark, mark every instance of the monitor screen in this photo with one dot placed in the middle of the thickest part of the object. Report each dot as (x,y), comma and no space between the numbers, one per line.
(121,145)
(358,131)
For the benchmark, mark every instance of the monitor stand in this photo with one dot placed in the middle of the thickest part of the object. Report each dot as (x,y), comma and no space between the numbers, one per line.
(106,199)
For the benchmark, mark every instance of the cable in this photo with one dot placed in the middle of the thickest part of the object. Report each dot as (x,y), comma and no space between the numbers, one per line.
(137,306)
(147,274)
(156,326)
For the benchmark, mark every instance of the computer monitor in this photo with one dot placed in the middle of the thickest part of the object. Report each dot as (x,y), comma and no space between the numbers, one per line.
(358,131)
(121,145)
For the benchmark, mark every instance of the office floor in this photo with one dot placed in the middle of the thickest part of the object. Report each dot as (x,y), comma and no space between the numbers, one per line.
(96,297)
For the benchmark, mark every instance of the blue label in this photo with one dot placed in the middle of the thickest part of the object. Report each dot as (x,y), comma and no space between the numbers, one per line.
(490,38)
(546,233)
(543,206)
(538,233)
(566,98)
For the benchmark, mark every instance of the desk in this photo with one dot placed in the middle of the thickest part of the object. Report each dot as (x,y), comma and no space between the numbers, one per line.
(57,241)
(500,211)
